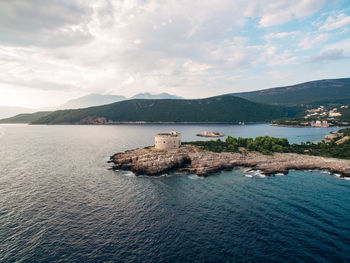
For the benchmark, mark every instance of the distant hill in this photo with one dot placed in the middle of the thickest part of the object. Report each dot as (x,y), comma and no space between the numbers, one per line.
(9,111)
(319,92)
(91,100)
(214,109)
(156,96)
(25,117)
(99,99)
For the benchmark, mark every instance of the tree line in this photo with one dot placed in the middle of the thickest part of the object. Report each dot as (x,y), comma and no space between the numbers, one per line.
(269,145)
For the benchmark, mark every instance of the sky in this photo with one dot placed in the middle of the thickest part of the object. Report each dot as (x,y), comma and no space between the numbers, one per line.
(55,50)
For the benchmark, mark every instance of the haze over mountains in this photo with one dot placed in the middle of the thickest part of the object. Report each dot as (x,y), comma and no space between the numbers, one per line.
(90,100)
(9,111)
(99,99)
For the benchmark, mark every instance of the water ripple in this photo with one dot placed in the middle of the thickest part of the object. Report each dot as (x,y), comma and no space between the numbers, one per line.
(59,203)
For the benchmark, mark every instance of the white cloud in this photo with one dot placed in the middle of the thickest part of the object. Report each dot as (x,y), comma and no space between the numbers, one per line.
(126,47)
(343,44)
(278,12)
(19,66)
(274,57)
(328,56)
(276,74)
(128,81)
(197,68)
(144,40)
(309,42)
(280,35)
(44,23)
(333,23)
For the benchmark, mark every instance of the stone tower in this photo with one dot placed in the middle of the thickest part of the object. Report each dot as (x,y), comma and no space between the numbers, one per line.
(165,141)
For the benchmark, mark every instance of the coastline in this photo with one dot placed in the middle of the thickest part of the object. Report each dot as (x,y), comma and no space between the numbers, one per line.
(303,126)
(210,136)
(147,123)
(191,159)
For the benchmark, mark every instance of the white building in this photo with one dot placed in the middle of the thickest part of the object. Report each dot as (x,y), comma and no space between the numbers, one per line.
(165,141)
(319,123)
(334,114)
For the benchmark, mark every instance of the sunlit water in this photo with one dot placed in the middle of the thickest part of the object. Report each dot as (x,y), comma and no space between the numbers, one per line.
(59,203)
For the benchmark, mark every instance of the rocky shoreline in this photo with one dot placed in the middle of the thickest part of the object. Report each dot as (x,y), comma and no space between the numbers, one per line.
(191,159)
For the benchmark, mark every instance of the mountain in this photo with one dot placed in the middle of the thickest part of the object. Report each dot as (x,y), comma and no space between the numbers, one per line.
(149,96)
(317,92)
(25,117)
(9,111)
(95,99)
(214,109)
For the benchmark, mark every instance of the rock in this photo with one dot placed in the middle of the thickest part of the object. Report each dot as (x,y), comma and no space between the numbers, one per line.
(191,159)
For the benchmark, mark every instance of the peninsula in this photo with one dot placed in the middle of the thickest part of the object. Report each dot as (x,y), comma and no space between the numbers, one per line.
(192,159)
(267,154)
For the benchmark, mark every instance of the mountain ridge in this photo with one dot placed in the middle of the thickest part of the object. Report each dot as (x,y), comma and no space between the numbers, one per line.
(316,92)
(95,99)
(320,92)
(9,111)
(214,109)
(25,117)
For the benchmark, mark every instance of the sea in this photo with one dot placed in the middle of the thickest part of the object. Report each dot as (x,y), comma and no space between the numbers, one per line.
(59,202)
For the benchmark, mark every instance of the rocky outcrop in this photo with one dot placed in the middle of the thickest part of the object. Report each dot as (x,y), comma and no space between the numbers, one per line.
(191,159)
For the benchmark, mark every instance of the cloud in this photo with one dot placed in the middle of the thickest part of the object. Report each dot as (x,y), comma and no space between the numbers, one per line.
(309,42)
(143,40)
(38,84)
(126,47)
(276,74)
(278,12)
(43,23)
(274,57)
(333,23)
(19,67)
(342,44)
(280,35)
(328,56)
(196,68)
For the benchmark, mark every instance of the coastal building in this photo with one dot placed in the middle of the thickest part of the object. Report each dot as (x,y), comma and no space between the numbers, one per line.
(334,114)
(319,123)
(166,141)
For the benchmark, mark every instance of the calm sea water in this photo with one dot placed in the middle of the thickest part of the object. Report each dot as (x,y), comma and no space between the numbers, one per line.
(59,203)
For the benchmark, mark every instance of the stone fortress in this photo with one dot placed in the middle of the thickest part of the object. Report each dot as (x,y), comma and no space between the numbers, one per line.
(165,141)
